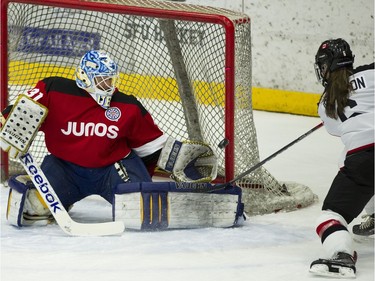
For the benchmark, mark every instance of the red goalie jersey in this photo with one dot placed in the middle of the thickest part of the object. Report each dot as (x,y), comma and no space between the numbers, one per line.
(79,131)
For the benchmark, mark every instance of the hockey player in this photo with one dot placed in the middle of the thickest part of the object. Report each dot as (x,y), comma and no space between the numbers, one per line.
(347,110)
(98,137)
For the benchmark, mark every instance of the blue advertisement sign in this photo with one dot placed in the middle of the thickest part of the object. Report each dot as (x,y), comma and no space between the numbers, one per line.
(57,42)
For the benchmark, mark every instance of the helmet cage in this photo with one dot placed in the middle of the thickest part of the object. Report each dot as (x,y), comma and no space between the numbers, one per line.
(320,72)
(98,75)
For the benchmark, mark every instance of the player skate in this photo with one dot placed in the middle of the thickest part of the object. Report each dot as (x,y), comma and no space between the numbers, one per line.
(366,228)
(342,265)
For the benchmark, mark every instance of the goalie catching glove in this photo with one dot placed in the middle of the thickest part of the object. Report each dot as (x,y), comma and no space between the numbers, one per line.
(188,161)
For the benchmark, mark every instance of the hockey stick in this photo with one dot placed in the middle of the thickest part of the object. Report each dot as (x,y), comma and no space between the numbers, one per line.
(204,187)
(261,163)
(194,187)
(58,211)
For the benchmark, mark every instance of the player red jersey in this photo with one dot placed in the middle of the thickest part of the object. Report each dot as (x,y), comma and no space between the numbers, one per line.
(80,131)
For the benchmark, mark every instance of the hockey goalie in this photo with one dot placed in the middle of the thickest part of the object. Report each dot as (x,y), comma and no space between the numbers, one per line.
(104,142)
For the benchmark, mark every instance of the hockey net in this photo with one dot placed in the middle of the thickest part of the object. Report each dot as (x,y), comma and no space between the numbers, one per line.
(190,66)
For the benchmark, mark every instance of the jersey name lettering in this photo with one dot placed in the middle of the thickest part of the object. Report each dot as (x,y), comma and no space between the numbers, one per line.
(91,129)
(358,83)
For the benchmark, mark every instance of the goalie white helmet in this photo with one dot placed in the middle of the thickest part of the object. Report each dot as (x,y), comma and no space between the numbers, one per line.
(97,73)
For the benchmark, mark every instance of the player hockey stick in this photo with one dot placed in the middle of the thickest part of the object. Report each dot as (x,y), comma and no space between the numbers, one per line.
(67,224)
(193,187)
(206,187)
(261,163)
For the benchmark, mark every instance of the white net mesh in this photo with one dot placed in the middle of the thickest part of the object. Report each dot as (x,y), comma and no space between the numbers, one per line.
(174,60)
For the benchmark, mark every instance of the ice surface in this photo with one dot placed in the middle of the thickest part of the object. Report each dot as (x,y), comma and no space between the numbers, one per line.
(270,247)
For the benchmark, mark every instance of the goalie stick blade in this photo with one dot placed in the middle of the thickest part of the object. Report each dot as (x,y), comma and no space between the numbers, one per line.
(94,229)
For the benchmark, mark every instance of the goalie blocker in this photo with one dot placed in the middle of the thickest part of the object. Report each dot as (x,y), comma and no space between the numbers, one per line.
(21,126)
(170,205)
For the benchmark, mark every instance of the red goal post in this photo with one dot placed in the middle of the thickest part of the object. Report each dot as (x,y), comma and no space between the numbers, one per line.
(189,65)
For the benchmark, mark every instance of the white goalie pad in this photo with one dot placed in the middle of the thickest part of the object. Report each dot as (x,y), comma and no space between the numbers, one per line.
(188,161)
(22,125)
(24,207)
(167,205)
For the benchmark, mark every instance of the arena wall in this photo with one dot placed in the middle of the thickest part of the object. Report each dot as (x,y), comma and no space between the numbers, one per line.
(285,37)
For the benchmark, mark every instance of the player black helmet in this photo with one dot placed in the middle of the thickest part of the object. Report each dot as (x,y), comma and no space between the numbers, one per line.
(332,55)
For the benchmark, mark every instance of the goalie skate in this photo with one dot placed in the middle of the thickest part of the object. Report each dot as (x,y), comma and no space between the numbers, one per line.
(341,266)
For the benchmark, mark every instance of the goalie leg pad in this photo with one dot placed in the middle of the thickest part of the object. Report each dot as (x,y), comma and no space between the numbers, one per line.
(25,207)
(162,205)
(16,201)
